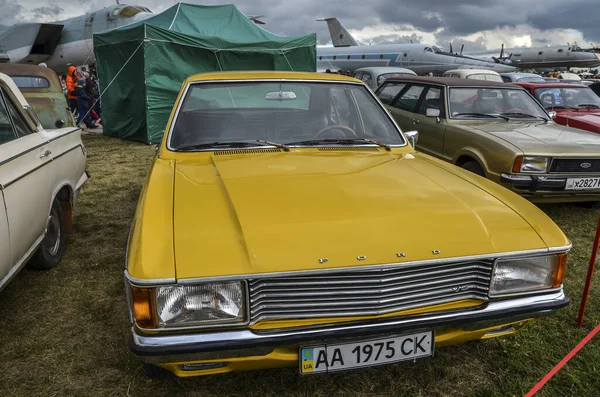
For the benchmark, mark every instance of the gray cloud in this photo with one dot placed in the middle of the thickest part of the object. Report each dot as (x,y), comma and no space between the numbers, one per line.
(10,10)
(395,39)
(47,12)
(447,20)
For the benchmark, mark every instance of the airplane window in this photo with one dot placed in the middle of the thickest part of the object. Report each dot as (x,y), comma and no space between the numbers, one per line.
(437,49)
(363,57)
(381,56)
(427,49)
(348,56)
(540,53)
(560,50)
(405,55)
(320,58)
(334,57)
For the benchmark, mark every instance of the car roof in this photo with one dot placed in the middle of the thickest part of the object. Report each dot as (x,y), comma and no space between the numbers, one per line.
(384,69)
(270,75)
(452,82)
(550,85)
(472,71)
(520,74)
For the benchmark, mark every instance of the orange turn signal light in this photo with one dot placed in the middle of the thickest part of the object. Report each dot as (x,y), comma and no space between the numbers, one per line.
(143,307)
(559,273)
(517,165)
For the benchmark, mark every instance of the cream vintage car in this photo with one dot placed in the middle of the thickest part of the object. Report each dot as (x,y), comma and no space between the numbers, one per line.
(287,221)
(41,174)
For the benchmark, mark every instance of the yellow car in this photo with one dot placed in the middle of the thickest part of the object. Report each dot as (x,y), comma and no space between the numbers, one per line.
(287,221)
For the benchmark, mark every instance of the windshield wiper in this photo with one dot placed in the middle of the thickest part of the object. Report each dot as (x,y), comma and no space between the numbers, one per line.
(523,115)
(209,145)
(494,116)
(588,105)
(342,141)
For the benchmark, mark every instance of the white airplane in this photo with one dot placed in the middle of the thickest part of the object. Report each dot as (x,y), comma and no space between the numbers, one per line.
(347,54)
(524,58)
(62,42)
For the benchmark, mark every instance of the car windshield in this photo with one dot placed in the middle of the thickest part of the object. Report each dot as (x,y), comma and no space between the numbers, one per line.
(294,113)
(531,79)
(567,97)
(480,102)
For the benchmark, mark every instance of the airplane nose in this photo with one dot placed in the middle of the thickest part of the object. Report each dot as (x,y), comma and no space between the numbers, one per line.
(140,16)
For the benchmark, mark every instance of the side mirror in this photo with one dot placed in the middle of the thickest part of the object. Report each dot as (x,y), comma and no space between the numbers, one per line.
(431,112)
(59,124)
(413,137)
(552,115)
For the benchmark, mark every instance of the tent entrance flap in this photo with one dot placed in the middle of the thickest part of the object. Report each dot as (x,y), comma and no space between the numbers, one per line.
(181,41)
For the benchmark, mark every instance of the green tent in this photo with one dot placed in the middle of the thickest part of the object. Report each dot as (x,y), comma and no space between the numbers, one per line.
(141,66)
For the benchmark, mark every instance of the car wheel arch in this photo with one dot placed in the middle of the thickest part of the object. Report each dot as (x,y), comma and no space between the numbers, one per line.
(65,195)
(464,158)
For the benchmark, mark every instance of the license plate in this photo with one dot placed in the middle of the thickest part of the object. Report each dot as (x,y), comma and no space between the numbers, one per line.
(582,184)
(340,357)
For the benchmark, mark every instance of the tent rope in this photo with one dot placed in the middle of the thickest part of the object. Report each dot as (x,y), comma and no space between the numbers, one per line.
(114,78)
(291,67)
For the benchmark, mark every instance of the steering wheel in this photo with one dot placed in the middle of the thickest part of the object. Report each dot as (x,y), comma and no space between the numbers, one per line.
(345,130)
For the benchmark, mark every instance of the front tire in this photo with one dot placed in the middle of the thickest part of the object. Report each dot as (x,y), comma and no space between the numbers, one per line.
(474,167)
(52,248)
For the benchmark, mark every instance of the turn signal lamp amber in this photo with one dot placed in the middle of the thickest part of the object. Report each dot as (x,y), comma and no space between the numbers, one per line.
(143,307)
(517,165)
(561,265)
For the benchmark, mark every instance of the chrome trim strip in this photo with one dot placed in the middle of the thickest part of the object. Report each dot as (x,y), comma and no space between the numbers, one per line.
(390,266)
(168,347)
(155,282)
(250,80)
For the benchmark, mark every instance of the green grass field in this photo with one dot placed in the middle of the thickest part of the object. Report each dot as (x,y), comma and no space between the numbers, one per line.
(64,332)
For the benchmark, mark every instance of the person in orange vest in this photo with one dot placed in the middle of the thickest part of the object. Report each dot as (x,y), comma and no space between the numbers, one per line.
(71,81)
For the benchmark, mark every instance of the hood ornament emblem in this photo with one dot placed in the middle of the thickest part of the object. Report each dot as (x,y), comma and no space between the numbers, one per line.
(585,165)
(323,260)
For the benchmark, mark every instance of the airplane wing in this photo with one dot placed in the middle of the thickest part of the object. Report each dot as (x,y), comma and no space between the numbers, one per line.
(29,42)
(340,37)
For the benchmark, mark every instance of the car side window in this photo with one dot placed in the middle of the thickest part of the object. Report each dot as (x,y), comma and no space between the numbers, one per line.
(433,100)
(367,78)
(409,98)
(7,133)
(20,126)
(506,79)
(389,91)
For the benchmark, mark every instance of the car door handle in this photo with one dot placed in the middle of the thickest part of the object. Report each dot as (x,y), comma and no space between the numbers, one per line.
(45,153)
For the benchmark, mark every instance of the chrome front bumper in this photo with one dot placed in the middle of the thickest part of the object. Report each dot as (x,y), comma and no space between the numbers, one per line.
(245,342)
(534,182)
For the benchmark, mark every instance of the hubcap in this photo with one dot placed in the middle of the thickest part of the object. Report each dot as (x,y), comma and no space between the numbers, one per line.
(52,238)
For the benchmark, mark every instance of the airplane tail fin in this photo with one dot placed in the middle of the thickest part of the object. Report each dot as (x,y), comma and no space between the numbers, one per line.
(340,37)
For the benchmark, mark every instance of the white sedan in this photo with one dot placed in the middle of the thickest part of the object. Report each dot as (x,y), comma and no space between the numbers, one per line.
(41,173)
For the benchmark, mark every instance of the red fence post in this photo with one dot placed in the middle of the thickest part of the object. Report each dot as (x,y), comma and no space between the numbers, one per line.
(588,282)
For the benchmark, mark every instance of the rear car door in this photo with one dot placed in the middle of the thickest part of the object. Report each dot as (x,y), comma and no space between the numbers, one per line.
(431,129)
(25,186)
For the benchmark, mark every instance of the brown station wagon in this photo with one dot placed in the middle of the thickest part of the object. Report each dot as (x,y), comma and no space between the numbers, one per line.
(498,131)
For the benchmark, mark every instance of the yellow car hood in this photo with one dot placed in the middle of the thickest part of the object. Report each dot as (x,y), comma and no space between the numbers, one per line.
(274,212)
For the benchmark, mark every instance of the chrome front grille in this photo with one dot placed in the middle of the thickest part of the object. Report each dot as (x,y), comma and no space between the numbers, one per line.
(368,292)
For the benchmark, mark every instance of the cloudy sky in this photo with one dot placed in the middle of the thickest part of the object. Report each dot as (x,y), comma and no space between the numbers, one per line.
(479,24)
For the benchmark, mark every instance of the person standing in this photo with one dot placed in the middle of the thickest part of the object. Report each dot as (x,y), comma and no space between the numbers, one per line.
(82,104)
(71,82)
